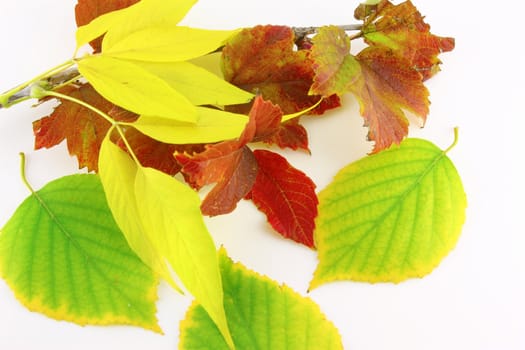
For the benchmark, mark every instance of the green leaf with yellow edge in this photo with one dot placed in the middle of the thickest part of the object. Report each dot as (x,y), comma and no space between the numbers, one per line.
(261,315)
(168,43)
(170,212)
(64,256)
(118,172)
(389,216)
(135,89)
(119,24)
(199,85)
(213,125)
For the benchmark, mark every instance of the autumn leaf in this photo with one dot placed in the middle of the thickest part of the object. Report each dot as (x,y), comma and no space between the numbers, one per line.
(231,164)
(154,154)
(88,10)
(262,60)
(83,129)
(402,29)
(383,82)
(287,197)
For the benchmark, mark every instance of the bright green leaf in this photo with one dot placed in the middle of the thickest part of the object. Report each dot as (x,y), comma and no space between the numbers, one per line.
(170,212)
(199,85)
(118,172)
(261,315)
(168,43)
(390,216)
(63,255)
(135,89)
(213,126)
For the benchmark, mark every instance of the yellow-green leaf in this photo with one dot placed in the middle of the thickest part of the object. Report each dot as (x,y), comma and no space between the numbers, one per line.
(261,315)
(64,256)
(168,43)
(170,212)
(118,172)
(213,126)
(199,85)
(135,89)
(390,216)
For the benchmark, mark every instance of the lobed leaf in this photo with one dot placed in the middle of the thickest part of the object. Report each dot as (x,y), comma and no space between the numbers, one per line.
(261,315)
(287,197)
(384,83)
(402,29)
(82,128)
(390,216)
(231,164)
(263,60)
(64,256)
(135,89)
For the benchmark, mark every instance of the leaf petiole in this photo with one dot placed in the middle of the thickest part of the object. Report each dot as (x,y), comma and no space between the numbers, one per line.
(23,172)
(21,92)
(455,142)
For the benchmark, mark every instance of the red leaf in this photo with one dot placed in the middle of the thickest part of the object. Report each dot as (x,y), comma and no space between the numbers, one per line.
(230,164)
(83,129)
(88,10)
(287,197)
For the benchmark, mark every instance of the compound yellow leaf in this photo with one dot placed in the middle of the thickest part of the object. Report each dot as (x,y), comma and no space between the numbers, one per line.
(135,89)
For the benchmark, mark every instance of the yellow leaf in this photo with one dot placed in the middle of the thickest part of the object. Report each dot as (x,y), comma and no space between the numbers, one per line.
(199,85)
(213,126)
(170,212)
(144,14)
(135,89)
(168,43)
(117,173)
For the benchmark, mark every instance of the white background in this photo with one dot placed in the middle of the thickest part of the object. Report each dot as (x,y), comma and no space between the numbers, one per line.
(473,301)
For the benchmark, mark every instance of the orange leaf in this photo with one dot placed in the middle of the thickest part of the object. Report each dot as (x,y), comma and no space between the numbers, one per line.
(287,197)
(83,129)
(387,86)
(231,164)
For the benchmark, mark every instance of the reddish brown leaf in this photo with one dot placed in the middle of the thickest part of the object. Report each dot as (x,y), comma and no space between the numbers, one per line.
(88,10)
(230,164)
(402,29)
(291,134)
(388,86)
(83,129)
(287,197)
(384,83)
(263,60)
(154,154)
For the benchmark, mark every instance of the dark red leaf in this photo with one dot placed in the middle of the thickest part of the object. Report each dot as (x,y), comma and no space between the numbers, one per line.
(287,197)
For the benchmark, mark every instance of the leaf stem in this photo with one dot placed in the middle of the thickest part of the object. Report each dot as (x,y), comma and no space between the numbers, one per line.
(456,137)
(23,172)
(301,32)
(22,92)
